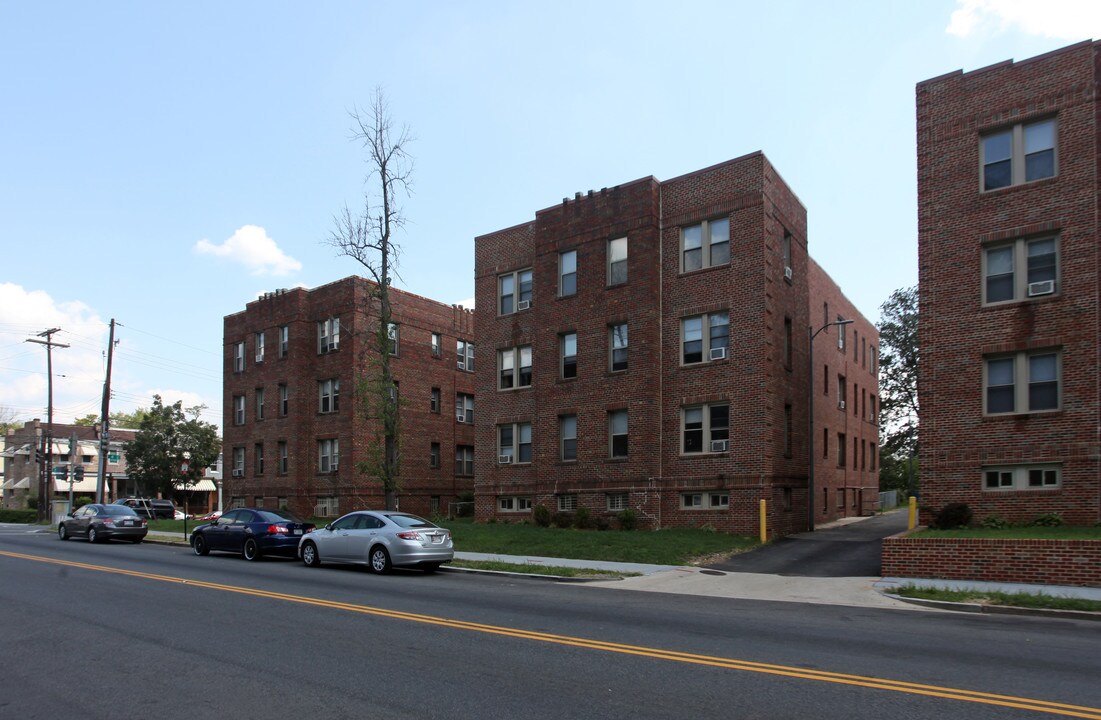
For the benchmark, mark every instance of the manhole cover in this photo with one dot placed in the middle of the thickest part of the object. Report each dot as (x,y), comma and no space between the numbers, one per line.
(712,572)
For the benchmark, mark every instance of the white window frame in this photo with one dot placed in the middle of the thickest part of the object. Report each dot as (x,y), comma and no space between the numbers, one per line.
(514,359)
(328,335)
(616,502)
(567,503)
(618,342)
(436,343)
(567,361)
(464,460)
(238,461)
(1017,156)
(328,396)
(434,399)
(617,251)
(284,340)
(284,400)
(328,455)
(1020,271)
(393,337)
(464,408)
(514,503)
(566,435)
(515,450)
(566,276)
(707,433)
(1019,478)
(613,416)
(259,347)
(707,321)
(1022,366)
(239,356)
(708,244)
(238,410)
(284,457)
(464,352)
(517,295)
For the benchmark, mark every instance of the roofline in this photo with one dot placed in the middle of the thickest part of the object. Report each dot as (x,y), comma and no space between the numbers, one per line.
(1009,63)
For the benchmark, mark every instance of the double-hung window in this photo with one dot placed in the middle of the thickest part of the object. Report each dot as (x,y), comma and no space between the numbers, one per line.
(705,245)
(464,408)
(705,428)
(1022,382)
(514,367)
(1019,154)
(260,403)
(284,340)
(514,291)
(567,431)
(464,353)
(284,400)
(259,347)
(617,434)
(435,344)
(284,457)
(464,460)
(568,345)
(619,346)
(514,443)
(705,337)
(238,409)
(392,337)
(434,400)
(238,461)
(1020,270)
(567,273)
(328,395)
(617,261)
(328,455)
(239,357)
(328,335)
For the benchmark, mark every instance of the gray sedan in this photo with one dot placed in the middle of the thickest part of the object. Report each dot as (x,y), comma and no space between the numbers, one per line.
(379,539)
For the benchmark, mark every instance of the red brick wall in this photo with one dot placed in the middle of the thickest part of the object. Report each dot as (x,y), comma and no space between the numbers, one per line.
(1045,562)
(956,222)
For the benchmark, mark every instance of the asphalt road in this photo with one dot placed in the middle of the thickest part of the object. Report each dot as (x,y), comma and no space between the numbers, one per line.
(148,631)
(851,550)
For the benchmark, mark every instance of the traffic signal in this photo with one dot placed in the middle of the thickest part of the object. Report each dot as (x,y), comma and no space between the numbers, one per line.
(61,472)
(78,473)
(38,456)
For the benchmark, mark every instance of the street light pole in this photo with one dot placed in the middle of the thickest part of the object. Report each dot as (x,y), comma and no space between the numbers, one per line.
(810,415)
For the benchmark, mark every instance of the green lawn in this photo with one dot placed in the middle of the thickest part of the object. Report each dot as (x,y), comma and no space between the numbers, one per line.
(660,547)
(1062,532)
(1025,600)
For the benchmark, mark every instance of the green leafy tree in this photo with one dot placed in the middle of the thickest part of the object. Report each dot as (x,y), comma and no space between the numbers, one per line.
(367,237)
(164,438)
(8,420)
(898,381)
(128,420)
(90,420)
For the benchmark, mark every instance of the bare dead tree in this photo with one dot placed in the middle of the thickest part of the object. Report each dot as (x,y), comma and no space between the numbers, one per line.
(367,236)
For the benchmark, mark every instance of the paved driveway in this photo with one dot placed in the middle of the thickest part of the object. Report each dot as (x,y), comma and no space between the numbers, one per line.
(849,550)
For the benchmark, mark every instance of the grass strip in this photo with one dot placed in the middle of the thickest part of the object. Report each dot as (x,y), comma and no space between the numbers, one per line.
(982,597)
(532,569)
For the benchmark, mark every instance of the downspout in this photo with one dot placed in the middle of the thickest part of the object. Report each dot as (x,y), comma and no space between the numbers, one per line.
(661,349)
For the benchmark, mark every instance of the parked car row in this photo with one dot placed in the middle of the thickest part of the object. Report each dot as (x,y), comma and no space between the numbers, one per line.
(377,539)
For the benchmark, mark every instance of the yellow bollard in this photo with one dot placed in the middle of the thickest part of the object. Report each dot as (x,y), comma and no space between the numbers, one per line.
(913,513)
(764,522)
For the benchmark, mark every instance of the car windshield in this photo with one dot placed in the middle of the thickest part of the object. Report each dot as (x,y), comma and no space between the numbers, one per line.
(117,510)
(409,521)
(278,516)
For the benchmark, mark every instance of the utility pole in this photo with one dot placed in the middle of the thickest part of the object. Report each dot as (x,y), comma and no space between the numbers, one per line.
(105,419)
(48,443)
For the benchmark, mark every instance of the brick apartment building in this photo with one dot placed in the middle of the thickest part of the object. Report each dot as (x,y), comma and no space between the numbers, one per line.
(1008,244)
(293,430)
(645,348)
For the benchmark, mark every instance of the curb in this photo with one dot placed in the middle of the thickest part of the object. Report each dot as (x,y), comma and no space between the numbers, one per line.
(997,609)
(523,576)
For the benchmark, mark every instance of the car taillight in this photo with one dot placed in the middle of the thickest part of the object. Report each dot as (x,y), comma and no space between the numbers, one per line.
(108,521)
(409,535)
(277,530)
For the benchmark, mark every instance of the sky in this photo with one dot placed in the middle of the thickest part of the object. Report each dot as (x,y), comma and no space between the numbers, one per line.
(163,164)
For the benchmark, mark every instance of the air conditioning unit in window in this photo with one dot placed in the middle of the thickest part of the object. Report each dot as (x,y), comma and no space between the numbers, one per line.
(238,473)
(334,467)
(719,445)
(504,459)
(523,305)
(1045,287)
(787,273)
(461,417)
(259,357)
(718,353)
(841,405)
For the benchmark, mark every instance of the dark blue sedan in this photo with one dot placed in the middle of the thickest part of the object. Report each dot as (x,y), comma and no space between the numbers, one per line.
(253,532)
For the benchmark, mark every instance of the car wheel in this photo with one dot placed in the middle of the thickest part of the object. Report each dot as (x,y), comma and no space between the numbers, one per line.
(310,556)
(93,534)
(62,533)
(198,544)
(380,560)
(251,550)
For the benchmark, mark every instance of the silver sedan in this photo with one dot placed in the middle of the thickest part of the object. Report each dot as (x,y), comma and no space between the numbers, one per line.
(379,539)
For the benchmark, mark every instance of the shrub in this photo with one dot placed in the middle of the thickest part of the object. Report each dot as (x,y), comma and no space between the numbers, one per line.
(81,502)
(18,516)
(562,520)
(1051,519)
(582,518)
(994,522)
(628,520)
(953,515)
(602,522)
(542,516)
(32,503)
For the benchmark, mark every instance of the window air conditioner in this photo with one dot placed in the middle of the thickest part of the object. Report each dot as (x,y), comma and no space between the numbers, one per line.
(238,473)
(334,467)
(461,417)
(1045,287)
(718,353)
(259,357)
(841,405)
(719,445)
(523,305)
(787,273)
(504,459)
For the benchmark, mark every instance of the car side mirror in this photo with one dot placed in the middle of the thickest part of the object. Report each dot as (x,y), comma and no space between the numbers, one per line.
(72,514)
(329,526)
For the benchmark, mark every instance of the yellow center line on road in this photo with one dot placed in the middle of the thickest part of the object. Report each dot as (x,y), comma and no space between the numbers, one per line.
(636,650)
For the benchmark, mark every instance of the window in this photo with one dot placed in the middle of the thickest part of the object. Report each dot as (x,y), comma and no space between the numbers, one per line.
(514,291)
(514,503)
(328,396)
(841,448)
(788,428)
(705,245)
(617,261)
(705,337)
(840,334)
(284,458)
(514,443)
(616,501)
(703,501)
(464,460)
(842,392)
(619,347)
(258,453)
(825,443)
(327,506)
(259,403)
(259,347)
(1020,154)
(464,352)
(328,335)
(434,455)
(705,428)
(1023,477)
(785,252)
(617,433)
(238,409)
(787,343)
(871,408)
(1002,283)
(284,400)
(464,408)
(435,344)
(567,503)
(567,273)
(284,340)
(238,461)
(328,455)
(1024,382)
(567,432)
(239,357)
(392,337)
(507,363)
(568,350)
(434,400)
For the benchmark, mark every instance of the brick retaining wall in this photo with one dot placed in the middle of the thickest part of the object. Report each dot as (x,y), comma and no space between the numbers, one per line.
(1046,562)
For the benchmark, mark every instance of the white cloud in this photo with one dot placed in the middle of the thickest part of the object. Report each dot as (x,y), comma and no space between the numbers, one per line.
(212,413)
(250,246)
(468,303)
(1061,19)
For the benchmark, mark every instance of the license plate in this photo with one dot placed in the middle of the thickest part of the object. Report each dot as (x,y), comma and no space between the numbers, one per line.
(297,532)
(437,539)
